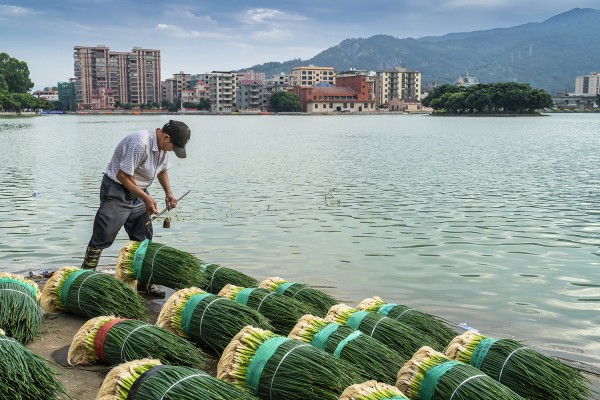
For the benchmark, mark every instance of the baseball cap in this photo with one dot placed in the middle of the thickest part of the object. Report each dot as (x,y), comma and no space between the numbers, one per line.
(179,134)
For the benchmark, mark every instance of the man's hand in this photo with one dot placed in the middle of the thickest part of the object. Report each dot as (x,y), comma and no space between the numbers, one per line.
(171,201)
(151,207)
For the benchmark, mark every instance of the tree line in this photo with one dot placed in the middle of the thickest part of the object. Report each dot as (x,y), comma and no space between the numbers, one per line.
(494,98)
(15,85)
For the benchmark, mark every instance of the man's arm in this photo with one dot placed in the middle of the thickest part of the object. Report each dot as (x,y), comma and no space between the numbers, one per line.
(163,178)
(130,184)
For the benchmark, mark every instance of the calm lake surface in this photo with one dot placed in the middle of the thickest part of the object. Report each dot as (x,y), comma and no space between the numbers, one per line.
(492,222)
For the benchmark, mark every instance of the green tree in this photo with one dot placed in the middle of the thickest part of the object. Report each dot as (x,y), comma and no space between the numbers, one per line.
(15,74)
(284,102)
(204,104)
(165,103)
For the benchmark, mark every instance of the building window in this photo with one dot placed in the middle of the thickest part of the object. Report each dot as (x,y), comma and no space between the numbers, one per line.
(316,106)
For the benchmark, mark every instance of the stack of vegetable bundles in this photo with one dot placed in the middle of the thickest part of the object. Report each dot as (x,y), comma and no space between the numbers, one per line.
(114,340)
(432,326)
(278,368)
(431,375)
(283,312)
(529,373)
(25,375)
(148,379)
(20,310)
(155,263)
(373,358)
(396,335)
(206,318)
(88,293)
(319,301)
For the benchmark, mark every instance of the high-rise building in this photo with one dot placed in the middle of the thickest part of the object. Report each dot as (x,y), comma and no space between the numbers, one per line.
(398,83)
(133,77)
(174,87)
(588,85)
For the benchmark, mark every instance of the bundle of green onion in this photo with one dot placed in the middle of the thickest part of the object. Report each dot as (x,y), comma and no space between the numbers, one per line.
(114,340)
(373,358)
(433,327)
(154,263)
(25,375)
(20,311)
(396,335)
(283,312)
(432,375)
(319,301)
(275,367)
(148,379)
(89,294)
(206,318)
(530,373)
(218,276)
(372,390)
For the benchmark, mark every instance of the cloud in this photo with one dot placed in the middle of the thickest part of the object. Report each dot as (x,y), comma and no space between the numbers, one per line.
(267,15)
(7,10)
(179,32)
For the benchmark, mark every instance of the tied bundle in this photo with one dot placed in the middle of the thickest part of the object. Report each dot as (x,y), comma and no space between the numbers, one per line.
(529,373)
(373,358)
(113,340)
(25,375)
(89,294)
(206,318)
(218,276)
(430,375)
(432,326)
(396,335)
(283,312)
(372,390)
(148,379)
(279,368)
(20,311)
(153,263)
(319,301)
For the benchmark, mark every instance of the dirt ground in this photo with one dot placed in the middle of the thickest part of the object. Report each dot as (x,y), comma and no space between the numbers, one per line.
(83,382)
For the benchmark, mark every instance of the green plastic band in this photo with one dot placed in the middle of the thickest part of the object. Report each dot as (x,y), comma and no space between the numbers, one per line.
(203,266)
(259,360)
(481,351)
(188,310)
(431,378)
(386,308)
(356,319)
(320,339)
(343,343)
(283,287)
(243,295)
(64,289)
(25,285)
(138,258)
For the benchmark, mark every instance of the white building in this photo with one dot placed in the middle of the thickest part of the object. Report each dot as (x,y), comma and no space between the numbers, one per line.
(588,85)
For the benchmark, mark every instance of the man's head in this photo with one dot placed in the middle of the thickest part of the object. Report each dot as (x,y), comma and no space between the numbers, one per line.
(179,133)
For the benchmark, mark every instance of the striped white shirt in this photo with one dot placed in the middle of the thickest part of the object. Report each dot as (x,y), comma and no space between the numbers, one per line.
(138,155)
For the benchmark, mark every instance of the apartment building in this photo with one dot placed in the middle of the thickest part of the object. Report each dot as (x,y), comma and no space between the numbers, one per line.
(588,85)
(311,75)
(251,96)
(250,75)
(222,90)
(174,87)
(133,77)
(397,83)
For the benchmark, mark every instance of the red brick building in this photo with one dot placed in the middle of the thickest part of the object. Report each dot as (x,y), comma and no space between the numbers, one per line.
(335,99)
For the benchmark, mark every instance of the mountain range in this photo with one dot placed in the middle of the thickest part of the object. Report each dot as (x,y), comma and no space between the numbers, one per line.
(548,55)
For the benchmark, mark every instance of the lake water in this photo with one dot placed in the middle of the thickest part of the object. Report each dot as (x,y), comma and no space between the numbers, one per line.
(492,222)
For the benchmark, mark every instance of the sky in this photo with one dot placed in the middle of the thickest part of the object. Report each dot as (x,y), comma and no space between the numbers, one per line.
(197,36)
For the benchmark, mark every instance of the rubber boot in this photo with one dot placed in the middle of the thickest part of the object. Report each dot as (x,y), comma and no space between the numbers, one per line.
(92,256)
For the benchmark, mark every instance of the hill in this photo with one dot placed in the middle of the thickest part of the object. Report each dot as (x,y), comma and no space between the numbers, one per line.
(548,55)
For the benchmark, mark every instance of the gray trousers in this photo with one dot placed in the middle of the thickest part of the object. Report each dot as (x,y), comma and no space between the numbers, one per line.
(119,208)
